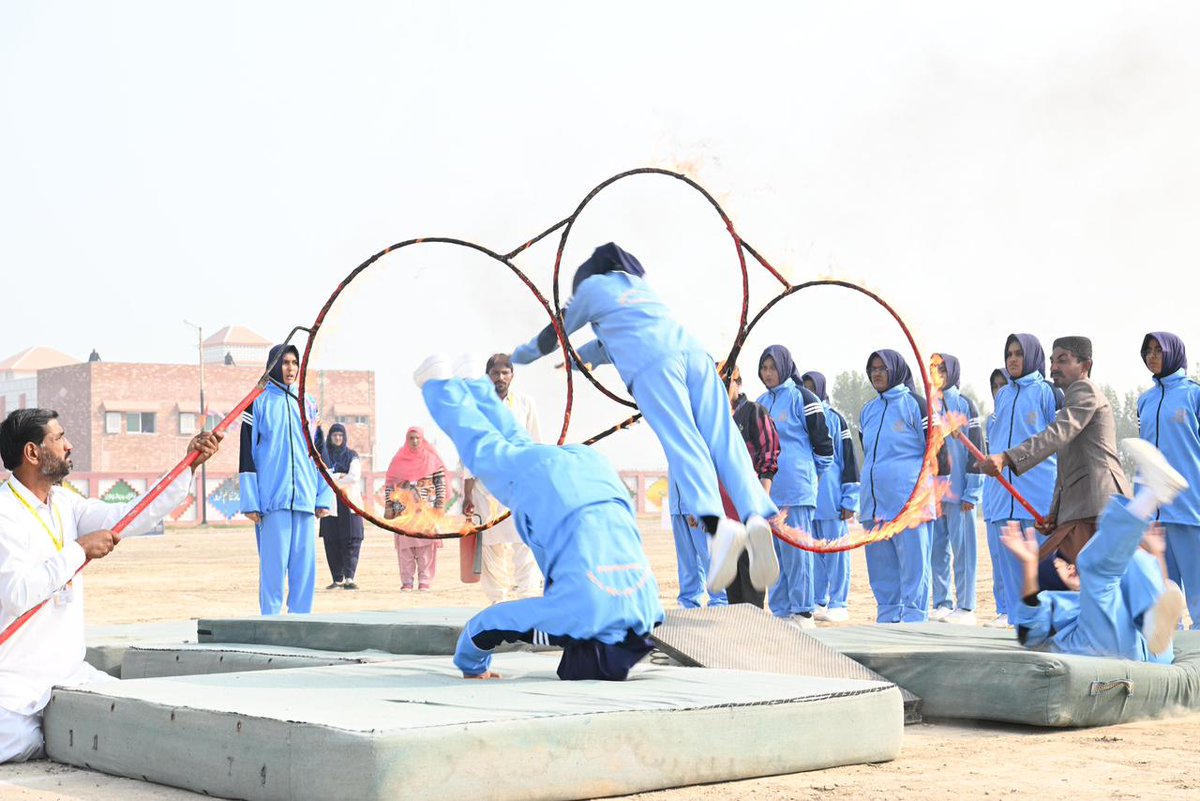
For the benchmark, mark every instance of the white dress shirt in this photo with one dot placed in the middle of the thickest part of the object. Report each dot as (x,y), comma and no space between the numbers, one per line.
(49,649)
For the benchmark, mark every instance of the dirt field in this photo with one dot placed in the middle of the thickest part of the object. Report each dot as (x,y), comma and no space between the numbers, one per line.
(192,573)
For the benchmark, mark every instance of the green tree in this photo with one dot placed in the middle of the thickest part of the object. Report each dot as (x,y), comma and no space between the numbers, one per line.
(1125,414)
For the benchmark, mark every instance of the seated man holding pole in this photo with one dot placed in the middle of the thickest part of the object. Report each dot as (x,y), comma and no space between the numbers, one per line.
(47,533)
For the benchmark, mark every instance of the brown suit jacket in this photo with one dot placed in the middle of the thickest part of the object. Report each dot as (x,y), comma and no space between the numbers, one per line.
(1084,435)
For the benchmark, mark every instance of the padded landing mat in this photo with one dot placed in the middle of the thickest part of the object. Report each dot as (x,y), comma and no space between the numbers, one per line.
(432,632)
(364,732)
(744,637)
(154,661)
(106,645)
(984,674)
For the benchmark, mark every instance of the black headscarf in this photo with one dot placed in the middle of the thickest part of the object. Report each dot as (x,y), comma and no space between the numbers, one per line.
(337,459)
(898,372)
(277,366)
(784,364)
(1174,352)
(1035,357)
(818,381)
(953,369)
(607,259)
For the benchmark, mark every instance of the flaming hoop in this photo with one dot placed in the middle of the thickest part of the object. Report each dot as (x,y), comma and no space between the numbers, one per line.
(916,509)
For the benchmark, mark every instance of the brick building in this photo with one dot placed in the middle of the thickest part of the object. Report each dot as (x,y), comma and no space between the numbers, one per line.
(124,417)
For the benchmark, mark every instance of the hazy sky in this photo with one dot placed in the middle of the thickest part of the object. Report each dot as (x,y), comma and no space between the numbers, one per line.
(986,168)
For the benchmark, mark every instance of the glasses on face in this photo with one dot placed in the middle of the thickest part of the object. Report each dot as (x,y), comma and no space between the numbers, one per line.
(877,370)
(1153,350)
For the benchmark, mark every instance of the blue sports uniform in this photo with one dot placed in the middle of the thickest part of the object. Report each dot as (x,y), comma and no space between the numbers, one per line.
(573,511)
(893,430)
(1023,409)
(1169,418)
(837,492)
(691,554)
(953,531)
(805,449)
(279,481)
(672,379)
(1119,583)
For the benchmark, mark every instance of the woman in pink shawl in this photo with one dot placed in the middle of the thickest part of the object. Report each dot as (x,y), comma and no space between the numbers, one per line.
(416,475)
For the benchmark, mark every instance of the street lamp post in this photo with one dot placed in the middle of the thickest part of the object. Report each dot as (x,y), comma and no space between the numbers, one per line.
(202,491)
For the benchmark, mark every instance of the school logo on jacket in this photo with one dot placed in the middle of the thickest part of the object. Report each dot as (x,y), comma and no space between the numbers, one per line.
(899,426)
(1031,417)
(1180,416)
(782,418)
(632,297)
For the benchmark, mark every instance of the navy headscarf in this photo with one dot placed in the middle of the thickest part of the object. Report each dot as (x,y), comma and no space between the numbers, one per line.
(953,369)
(999,371)
(784,364)
(277,366)
(607,259)
(337,459)
(1174,352)
(818,381)
(1035,357)
(898,372)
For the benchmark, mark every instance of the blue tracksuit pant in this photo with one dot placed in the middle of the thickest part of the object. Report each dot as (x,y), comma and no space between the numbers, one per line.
(996,552)
(954,541)
(1183,564)
(687,406)
(831,571)
(691,556)
(1013,578)
(898,570)
(1119,583)
(574,513)
(792,594)
(287,548)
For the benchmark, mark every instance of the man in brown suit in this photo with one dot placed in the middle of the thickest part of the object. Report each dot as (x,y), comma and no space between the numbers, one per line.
(1084,435)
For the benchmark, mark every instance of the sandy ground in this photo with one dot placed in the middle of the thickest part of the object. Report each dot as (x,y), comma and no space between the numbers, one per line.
(193,573)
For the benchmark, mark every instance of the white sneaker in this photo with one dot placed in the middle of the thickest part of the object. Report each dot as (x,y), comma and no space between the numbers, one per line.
(802,622)
(725,547)
(466,366)
(999,622)
(1159,624)
(940,614)
(764,564)
(963,617)
(819,612)
(837,615)
(1154,471)
(435,368)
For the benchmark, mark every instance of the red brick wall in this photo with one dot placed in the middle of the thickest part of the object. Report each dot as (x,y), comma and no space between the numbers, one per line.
(82,394)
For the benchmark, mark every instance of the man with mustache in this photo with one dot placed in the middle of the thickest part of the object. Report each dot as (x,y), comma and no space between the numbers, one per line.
(47,532)
(1083,435)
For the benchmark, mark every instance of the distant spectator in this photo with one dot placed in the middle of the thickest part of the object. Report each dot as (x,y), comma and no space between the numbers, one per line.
(415,476)
(343,535)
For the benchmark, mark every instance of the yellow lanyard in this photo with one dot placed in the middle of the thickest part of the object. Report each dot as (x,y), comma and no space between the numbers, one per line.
(55,538)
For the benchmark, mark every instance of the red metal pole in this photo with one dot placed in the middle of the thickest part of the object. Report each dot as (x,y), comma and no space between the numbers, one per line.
(980,456)
(149,497)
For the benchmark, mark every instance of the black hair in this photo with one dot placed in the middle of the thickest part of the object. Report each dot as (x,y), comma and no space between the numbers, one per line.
(20,428)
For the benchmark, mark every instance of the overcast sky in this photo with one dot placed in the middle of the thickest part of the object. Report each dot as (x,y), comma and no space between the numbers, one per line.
(986,168)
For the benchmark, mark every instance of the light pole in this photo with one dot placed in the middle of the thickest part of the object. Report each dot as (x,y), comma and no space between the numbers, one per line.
(202,491)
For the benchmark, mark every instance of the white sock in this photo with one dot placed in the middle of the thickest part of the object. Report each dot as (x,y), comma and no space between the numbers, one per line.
(1144,504)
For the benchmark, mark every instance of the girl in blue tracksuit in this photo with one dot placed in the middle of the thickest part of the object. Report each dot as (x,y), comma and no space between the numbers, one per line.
(677,390)
(1169,418)
(573,511)
(1025,406)
(837,502)
(280,486)
(997,380)
(954,528)
(805,449)
(893,430)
